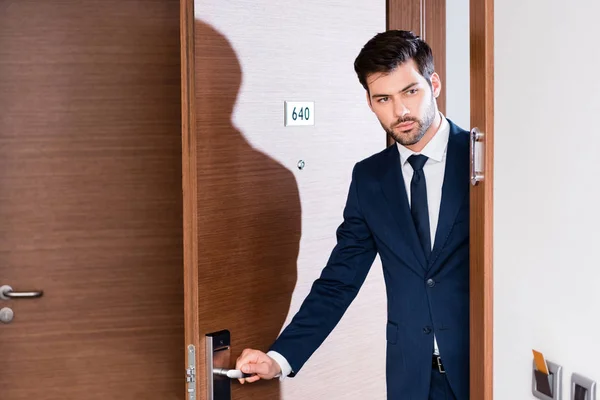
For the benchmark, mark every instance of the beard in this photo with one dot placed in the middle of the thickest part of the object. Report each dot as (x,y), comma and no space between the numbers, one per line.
(414,134)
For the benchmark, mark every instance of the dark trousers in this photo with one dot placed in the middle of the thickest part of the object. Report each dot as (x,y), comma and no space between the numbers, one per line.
(439,388)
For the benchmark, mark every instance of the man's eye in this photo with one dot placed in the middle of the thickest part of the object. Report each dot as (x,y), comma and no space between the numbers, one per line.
(383,100)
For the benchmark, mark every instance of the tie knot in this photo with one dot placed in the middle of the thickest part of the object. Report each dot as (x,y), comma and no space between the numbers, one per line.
(417,161)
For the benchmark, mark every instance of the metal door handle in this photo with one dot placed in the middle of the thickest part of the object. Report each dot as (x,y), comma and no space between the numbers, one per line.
(7,293)
(231,373)
(476,176)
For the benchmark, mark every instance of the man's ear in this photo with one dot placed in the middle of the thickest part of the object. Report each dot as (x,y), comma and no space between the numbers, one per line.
(436,84)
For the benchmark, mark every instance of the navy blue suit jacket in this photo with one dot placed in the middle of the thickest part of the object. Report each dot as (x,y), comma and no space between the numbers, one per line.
(377,219)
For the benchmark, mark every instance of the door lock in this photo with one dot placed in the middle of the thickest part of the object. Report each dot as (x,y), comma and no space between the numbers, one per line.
(218,353)
(6,315)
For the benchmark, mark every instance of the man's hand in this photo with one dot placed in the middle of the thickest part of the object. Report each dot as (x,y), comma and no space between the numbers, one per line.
(258,363)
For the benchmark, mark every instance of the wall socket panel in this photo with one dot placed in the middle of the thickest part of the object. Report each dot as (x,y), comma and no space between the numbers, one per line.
(582,388)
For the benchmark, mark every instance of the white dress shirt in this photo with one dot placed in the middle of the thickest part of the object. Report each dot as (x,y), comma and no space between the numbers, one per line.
(434,170)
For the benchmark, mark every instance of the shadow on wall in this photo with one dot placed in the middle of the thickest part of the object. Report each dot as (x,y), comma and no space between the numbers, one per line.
(248,216)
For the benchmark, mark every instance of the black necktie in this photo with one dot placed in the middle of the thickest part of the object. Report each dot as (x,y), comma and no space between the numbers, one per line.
(418,202)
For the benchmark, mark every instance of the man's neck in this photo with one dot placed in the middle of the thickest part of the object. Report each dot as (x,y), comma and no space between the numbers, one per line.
(433,129)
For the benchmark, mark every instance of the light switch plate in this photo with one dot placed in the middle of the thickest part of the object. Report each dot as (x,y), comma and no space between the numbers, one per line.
(588,384)
(299,113)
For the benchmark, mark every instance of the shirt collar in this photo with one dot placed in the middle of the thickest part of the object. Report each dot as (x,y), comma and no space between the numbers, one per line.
(436,148)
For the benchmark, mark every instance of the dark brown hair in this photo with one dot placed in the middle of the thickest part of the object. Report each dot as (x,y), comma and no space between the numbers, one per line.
(388,50)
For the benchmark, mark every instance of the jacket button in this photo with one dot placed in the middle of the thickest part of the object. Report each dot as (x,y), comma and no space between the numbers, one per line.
(430,282)
(427,330)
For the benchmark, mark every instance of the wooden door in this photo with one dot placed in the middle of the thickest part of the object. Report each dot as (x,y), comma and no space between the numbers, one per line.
(482,117)
(259,229)
(90,199)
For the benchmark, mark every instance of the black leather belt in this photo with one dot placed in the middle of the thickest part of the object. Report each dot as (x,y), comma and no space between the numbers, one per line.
(436,363)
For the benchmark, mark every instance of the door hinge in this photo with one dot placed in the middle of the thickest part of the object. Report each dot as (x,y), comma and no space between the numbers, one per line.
(190,372)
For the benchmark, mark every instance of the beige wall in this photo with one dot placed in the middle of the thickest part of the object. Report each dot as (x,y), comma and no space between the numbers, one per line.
(546,268)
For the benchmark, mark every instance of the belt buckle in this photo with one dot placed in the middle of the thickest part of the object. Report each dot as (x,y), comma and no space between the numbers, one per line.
(439,364)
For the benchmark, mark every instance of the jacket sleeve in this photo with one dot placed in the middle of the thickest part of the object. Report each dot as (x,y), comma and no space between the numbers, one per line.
(335,289)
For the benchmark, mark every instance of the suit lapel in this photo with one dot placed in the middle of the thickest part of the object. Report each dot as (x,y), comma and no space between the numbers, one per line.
(455,186)
(394,191)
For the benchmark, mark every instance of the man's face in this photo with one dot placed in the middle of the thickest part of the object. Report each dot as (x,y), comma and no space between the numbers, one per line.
(404,102)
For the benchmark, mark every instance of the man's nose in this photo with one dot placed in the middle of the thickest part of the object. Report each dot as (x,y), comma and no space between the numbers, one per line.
(400,109)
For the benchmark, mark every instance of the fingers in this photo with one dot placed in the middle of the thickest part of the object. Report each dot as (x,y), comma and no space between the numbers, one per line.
(247,356)
(240,361)
(243,359)
(254,362)
(250,357)
(252,379)
(261,369)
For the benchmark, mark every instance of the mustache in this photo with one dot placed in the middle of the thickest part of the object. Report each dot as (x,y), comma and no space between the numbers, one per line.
(406,119)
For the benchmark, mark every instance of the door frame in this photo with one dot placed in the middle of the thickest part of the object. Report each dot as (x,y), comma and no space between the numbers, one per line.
(427,18)
(481,25)
(196,377)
